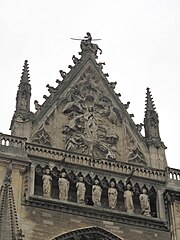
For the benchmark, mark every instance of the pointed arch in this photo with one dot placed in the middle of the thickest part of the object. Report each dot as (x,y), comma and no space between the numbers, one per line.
(95,233)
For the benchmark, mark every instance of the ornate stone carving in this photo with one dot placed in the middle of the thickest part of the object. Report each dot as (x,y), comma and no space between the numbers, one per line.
(134,153)
(144,201)
(51,89)
(37,105)
(92,120)
(47,182)
(81,189)
(112,195)
(101,64)
(96,193)
(126,105)
(88,46)
(63,187)
(42,136)
(128,200)
(139,126)
(75,60)
(113,84)
(20,235)
(63,74)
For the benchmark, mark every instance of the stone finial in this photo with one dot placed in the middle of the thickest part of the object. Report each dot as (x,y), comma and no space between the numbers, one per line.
(25,73)
(150,106)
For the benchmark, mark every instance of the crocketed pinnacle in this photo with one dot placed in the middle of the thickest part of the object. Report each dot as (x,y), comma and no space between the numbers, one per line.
(9,229)
(149,101)
(25,73)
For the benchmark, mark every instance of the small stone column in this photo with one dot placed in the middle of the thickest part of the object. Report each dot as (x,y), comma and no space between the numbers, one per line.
(31,180)
(160,204)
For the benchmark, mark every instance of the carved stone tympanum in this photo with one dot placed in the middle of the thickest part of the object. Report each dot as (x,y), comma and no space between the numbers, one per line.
(92,120)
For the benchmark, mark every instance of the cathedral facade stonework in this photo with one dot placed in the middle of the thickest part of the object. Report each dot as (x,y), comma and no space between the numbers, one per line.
(80,168)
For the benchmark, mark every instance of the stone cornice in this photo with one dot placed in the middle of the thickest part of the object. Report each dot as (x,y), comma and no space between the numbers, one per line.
(97,213)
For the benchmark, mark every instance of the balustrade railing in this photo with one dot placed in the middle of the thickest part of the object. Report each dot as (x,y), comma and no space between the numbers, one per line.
(174,174)
(12,141)
(85,160)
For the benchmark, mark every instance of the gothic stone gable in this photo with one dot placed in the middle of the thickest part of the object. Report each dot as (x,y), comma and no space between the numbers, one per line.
(84,115)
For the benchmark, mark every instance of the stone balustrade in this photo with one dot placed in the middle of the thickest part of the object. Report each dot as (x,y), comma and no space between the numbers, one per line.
(85,160)
(174,174)
(12,141)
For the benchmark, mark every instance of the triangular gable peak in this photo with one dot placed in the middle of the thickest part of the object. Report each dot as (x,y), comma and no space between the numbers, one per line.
(83,114)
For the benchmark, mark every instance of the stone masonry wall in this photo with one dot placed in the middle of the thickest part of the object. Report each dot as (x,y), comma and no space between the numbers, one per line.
(42,224)
(177,218)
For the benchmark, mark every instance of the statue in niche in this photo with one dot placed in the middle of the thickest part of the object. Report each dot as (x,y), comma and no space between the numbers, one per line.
(112,195)
(63,187)
(81,189)
(47,183)
(128,200)
(96,193)
(144,201)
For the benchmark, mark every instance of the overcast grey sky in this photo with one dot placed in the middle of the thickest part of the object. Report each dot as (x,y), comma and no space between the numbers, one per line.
(140,43)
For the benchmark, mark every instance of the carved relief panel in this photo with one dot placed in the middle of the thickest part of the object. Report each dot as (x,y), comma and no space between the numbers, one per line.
(92,120)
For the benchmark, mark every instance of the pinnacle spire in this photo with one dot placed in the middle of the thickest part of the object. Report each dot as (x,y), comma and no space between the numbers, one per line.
(25,72)
(151,121)
(9,229)
(22,111)
(150,106)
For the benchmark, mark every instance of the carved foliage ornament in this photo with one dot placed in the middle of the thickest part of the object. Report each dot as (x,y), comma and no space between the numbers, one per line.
(92,120)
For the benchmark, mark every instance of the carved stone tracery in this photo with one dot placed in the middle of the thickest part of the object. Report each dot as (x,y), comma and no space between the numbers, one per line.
(42,136)
(92,120)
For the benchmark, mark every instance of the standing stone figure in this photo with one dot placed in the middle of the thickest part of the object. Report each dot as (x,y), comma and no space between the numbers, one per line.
(63,187)
(128,200)
(112,195)
(47,183)
(144,201)
(81,189)
(96,194)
